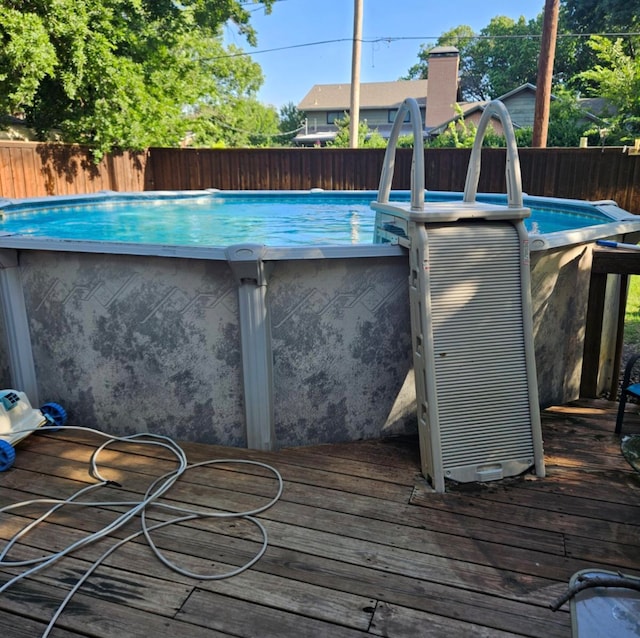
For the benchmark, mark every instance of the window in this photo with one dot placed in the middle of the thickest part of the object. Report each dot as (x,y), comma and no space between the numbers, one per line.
(394,112)
(332,116)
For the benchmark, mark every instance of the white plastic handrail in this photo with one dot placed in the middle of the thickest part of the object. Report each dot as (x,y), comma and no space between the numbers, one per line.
(417,162)
(512,168)
(513,175)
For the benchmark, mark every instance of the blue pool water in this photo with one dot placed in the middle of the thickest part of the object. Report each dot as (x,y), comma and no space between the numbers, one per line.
(223,220)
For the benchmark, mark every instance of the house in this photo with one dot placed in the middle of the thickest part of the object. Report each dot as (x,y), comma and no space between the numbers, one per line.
(14,129)
(380,101)
(379,104)
(520,103)
(437,97)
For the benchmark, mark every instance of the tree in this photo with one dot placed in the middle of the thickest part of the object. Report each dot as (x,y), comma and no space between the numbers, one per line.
(587,17)
(616,77)
(506,55)
(600,16)
(291,122)
(501,57)
(26,57)
(568,122)
(242,123)
(461,37)
(366,137)
(123,72)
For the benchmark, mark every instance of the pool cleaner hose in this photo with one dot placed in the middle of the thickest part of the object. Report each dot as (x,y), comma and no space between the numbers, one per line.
(158,488)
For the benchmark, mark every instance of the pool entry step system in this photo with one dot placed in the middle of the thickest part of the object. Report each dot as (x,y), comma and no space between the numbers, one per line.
(471,325)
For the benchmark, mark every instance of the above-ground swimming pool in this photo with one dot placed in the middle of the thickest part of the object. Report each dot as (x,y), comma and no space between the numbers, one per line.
(302,332)
(215,218)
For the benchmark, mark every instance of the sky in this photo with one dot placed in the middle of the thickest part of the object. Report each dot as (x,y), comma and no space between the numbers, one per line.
(398,26)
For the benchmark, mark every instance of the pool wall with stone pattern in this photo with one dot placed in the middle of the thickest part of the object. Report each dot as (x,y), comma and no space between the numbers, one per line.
(288,346)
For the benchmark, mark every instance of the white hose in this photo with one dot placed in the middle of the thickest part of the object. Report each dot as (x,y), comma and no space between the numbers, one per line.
(157,488)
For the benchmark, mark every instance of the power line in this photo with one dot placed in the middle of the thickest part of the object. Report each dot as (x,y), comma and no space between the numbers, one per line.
(254,133)
(389,39)
(285,48)
(255,8)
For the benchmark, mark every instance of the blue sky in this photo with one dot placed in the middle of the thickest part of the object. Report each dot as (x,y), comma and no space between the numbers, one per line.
(290,73)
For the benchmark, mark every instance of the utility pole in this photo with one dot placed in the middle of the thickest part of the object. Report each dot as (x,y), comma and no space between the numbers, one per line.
(545,73)
(354,110)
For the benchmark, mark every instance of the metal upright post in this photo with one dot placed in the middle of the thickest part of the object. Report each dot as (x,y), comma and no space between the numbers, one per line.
(23,373)
(248,268)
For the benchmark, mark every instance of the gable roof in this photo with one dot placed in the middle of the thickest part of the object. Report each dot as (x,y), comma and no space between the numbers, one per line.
(337,97)
(527,86)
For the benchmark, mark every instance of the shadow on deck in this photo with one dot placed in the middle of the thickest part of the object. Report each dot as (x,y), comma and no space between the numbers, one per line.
(358,543)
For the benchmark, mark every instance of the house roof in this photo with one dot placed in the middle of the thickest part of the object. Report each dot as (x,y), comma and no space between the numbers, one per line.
(527,86)
(337,97)
(592,107)
(471,107)
(444,50)
(14,128)
(467,109)
(596,107)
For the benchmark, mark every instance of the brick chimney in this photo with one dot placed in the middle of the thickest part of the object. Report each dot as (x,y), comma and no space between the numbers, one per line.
(442,85)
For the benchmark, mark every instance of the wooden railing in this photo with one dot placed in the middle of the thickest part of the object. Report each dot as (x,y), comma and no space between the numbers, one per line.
(30,169)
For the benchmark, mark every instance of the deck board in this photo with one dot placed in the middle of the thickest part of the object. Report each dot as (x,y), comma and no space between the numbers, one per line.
(358,543)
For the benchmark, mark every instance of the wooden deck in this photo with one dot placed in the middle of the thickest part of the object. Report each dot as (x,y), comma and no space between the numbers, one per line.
(358,543)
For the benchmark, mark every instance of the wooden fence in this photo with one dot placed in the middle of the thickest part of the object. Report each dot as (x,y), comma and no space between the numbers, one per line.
(30,169)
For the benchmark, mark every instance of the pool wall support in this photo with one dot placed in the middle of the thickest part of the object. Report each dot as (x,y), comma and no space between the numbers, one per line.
(249,269)
(16,325)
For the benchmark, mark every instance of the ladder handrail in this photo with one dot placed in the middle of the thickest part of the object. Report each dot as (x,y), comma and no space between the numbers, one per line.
(417,162)
(512,168)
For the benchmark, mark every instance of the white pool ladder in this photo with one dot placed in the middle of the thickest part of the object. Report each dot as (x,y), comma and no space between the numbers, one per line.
(471,325)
